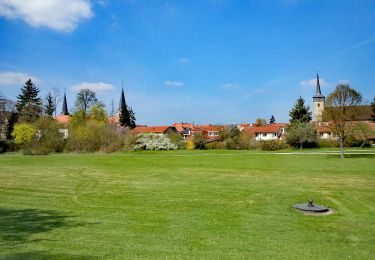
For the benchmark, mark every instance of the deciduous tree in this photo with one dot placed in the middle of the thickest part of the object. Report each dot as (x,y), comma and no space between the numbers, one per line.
(300,133)
(85,99)
(343,103)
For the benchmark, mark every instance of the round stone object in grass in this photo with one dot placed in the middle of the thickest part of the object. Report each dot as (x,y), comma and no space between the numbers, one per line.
(311,208)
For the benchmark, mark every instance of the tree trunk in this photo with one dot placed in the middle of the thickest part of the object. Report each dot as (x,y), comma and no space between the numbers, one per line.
(341,148)
(300,146)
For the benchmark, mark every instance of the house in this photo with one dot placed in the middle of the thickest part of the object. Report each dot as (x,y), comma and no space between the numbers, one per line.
(183,129)
(162,130)
(269,132)
(209,132)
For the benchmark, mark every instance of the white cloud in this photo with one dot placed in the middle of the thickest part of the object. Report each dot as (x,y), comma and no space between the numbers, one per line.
(94,86)
(59,15)
(174,83)
(311,83)
(183,60)
(230,86)
(11,78)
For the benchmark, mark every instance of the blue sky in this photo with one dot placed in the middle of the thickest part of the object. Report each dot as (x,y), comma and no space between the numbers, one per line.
(202,61)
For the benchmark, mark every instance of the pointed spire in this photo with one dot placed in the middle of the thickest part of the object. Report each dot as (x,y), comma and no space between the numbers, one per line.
(122,98)
(318,92)
(65,107)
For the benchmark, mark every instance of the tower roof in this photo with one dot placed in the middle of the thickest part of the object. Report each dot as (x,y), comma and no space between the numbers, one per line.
(318,93)
(65,107)
(122,100)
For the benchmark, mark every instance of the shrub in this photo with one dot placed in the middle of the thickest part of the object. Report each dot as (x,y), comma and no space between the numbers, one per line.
(328,143)
(216,145)
(273,145)
(190,145)
(42,137)
(129,140)
(92,136)
(148,141)
(199,141)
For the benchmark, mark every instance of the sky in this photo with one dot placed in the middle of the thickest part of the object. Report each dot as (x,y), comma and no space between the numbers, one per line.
(201,61)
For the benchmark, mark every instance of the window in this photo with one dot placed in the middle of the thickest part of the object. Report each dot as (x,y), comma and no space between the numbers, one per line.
(264,134)
(275,134)
(213,133)
(257,135)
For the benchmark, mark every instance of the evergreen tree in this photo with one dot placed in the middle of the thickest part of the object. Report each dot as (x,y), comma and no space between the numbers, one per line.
(11,121)
(127,117)
(272,120)
(29,95)
(373,109)
(29,105)
(300,112)
(49,104)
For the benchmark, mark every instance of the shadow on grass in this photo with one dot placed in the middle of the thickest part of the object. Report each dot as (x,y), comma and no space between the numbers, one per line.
(348,156)
(44,255)
(17,225)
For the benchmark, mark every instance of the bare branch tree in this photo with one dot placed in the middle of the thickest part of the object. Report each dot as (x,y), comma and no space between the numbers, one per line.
(342,108)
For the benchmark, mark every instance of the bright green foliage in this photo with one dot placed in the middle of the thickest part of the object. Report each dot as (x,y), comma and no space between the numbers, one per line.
(300,133)
(300,112)
(42,137)
(23,133)
(92,136)
(185,205)
(97,112)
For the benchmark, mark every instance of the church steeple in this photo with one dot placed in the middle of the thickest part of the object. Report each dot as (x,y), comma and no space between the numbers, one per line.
(318,91)
(122,99)
(318,101)
(65,107)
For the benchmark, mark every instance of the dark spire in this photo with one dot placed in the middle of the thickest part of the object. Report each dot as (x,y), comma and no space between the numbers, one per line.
(318,95)
(65,107)
(318,92)
(122,99)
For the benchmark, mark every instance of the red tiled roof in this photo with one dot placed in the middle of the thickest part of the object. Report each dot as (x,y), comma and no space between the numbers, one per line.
(64,119)
(150,129)
(180,126)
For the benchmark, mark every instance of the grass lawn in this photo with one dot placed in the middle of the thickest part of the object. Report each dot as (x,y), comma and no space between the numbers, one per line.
(186,204)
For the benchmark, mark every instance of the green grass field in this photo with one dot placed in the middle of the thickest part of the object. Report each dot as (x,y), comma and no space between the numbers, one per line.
(186,204)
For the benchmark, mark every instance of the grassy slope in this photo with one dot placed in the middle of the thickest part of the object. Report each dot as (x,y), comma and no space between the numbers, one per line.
(206,204)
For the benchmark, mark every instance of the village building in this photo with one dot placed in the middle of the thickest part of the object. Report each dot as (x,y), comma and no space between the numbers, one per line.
(270,132)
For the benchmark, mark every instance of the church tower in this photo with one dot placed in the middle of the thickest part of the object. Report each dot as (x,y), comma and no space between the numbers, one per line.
(318,101)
